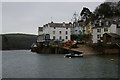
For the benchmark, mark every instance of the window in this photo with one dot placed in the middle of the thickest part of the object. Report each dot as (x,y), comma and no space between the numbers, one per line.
(60,38)
(54,37)
(118,25)
(66,37)
(74,24)
(100,24)
(98,41)
(98,36)
(66,27)
(66,32)
(76,30)
(54,27)
(105,29)
(60,32)
(63,24)
(40,28)
(53,32)
(107,23)
(98,30)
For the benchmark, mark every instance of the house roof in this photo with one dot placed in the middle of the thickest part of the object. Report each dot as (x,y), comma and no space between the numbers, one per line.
(98,27)
(103,22)
(40,28)
(59,24)
(114,20)
(113,35)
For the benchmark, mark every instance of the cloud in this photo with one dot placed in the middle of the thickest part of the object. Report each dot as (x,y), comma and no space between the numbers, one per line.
(27,16)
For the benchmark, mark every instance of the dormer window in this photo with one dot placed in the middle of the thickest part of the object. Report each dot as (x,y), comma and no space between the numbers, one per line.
(64,24)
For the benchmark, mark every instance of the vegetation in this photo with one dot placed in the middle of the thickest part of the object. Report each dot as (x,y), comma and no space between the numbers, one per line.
(108,9)
(85,13)
(104,10)
(80,37)
(17,41)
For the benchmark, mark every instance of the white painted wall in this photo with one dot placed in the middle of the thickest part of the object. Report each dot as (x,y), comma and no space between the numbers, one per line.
(118,31)
(113,28)
(49,30)
(76,30)
(95,33)
(40,32)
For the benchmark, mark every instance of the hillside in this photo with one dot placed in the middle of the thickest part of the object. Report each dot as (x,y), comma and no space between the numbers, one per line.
(17,41)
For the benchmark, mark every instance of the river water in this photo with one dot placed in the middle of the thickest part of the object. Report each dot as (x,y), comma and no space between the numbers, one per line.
(25,64)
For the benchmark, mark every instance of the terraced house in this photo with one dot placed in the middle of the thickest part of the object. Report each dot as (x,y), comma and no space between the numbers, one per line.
(58,31)
(103,26)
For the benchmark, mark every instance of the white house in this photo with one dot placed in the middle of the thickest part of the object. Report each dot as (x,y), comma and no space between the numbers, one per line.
(98,33)
(40,30)
(101,27)
(115,28)
(105,26)
(77,28)
(58,31)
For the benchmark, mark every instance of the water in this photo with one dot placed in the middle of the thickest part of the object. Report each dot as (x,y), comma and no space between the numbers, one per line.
(25,64)
(0,64)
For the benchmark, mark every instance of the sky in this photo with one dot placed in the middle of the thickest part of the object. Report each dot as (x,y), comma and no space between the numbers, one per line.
(26,17)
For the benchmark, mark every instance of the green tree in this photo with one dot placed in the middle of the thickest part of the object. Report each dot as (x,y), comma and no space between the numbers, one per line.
(85,13)
(108,9)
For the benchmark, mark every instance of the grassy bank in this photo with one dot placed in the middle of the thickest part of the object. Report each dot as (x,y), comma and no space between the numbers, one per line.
(16,41)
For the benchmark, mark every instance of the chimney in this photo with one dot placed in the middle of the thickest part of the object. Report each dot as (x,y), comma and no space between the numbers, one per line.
(64,24)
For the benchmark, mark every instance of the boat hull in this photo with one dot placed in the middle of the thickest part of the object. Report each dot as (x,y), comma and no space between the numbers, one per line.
(71,56)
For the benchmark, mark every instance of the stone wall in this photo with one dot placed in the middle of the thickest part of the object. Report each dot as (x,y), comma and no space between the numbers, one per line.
(52,50)
(111,51)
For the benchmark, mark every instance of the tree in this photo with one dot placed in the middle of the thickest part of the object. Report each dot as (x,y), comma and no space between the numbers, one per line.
(85,13)
(108,9)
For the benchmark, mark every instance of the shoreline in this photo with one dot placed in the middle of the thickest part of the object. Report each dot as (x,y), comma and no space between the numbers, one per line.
(87,50)
(12,49)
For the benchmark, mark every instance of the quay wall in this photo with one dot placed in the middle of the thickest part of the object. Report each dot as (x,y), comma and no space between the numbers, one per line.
(52,50)
(85,49)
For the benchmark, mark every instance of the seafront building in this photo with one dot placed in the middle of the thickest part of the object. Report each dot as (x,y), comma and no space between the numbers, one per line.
(115,26)
(77,29)
(96,29)
(88,28)
(103,26)
(57,31)
(40,30)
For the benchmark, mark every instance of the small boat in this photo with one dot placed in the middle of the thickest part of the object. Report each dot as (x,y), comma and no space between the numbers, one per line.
(70,55)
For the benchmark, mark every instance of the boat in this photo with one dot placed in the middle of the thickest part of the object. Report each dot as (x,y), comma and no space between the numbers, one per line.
(70,55)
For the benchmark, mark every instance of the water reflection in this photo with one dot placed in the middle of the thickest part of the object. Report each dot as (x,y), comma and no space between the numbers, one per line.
(25,64)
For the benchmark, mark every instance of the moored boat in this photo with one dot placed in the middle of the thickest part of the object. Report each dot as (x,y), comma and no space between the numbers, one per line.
(70,55)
